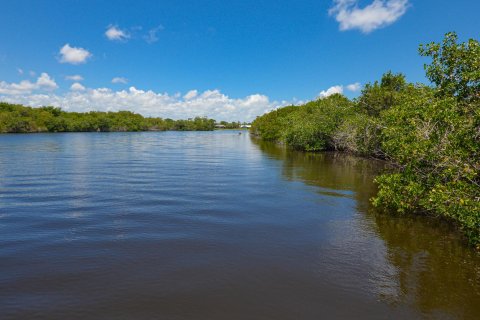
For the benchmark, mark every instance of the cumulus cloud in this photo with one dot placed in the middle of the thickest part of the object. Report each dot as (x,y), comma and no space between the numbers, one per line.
(330,91)
(44,82)
(211,103)
(77,87)
(190,95)
(73,55)
(114,33)
(75,77)
(152,37)
(378,14)
(354,87)
(24,86)
(120,80)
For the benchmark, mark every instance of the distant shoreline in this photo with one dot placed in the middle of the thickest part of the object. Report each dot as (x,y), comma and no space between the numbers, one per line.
(15,118)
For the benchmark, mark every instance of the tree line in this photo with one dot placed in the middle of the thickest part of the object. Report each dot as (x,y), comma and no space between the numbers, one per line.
(16,118)
(431,133)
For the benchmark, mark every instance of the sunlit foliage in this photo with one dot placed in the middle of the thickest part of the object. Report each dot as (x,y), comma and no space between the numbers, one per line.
(21,119)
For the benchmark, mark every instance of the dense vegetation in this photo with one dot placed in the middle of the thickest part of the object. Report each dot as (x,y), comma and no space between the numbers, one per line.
(20,119)
(229,125)
(430,133)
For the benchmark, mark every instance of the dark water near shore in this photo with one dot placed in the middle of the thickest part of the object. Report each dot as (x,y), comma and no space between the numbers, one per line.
(213,225)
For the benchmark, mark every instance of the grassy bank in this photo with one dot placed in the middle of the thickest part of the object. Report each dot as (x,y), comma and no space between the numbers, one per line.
(430,132)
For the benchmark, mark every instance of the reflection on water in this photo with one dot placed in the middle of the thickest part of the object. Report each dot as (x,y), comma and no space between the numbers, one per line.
(213,225)
(332,172)
(433,269)
(436,272)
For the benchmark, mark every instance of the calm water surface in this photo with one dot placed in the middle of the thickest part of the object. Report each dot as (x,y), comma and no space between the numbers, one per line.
(213,225)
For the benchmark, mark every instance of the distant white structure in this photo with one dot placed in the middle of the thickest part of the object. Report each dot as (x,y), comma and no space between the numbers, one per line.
(245,126)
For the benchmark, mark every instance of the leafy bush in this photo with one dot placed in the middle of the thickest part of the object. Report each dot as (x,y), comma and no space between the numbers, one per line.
(270,126)
(435,142)
(381,96)
(309,127)
(455,67)
(359,134)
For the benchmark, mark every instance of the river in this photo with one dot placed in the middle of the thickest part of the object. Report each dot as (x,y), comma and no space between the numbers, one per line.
(213,225)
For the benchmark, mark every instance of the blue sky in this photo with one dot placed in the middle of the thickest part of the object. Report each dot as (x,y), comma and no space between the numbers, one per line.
(230,60)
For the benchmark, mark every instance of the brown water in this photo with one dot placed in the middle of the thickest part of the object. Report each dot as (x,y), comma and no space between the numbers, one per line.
(213,225)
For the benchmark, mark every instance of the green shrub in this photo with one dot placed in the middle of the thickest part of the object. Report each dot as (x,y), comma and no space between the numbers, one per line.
(435,141)
(382,95)
(359,134)
(308,127)
(270,126)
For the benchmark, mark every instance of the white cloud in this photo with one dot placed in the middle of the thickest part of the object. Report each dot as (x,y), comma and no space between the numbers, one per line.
(75,77)
(330,91)
(77,87)
(211,103)
(44,82)
(152,37)
(120,80)
(354,87)
(116,34)
(378,14)
(190,95)
(24,86)
(73,55)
